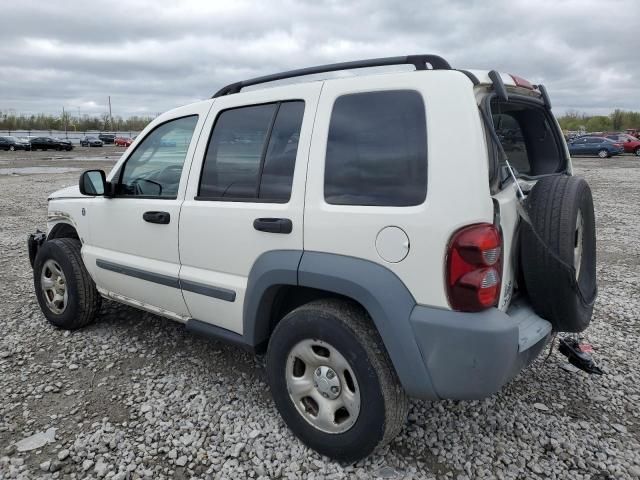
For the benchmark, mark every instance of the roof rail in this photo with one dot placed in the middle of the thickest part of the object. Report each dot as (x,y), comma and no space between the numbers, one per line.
(421,62)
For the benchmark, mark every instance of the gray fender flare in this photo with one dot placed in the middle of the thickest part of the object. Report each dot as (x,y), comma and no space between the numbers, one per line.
(375,287)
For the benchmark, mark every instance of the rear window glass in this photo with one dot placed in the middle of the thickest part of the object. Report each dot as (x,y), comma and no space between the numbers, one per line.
(377,150)
(527,137)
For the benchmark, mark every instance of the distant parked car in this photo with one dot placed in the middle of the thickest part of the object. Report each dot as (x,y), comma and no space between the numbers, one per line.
(107,138)
(49,143)
(633,131)
(167,143)
(90,142)
(123,141)
(601,146)
(13,143)
(630,143)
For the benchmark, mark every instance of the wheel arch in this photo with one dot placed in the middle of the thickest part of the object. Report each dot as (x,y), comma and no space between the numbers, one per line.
(284,279)
(63,229)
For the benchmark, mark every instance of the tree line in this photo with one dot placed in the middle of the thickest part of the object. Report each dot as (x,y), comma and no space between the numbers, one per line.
(66,121)
(618,120)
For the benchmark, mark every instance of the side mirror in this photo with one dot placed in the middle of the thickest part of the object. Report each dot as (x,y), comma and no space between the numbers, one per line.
(93,182)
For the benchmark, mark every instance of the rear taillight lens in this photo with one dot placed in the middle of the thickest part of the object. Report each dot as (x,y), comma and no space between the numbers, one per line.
(474,268)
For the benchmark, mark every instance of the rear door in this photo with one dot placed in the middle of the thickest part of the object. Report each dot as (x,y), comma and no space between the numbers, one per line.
(533,142)
(248,175)
(578,147)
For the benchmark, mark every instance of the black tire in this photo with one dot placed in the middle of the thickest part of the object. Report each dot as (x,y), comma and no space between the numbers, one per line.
(383,402)
(12,148)
(603,153)
(637,152)
(83,299)
(549,258)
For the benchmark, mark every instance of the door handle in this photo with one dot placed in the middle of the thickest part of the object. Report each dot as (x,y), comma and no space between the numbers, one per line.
(273,225)
(156,217)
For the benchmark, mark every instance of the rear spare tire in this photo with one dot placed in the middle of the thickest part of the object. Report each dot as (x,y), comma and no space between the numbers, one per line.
(559,252)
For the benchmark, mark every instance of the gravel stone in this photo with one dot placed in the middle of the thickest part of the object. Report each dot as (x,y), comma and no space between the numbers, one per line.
(151,400)
(63,454)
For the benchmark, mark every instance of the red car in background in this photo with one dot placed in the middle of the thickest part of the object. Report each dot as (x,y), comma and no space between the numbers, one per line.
(123,141)
(630,143)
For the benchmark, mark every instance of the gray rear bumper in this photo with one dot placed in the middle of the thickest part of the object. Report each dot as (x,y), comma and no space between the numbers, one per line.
(472,355)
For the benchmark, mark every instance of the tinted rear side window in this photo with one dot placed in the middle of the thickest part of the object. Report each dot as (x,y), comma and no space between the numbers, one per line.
(377,150)
(252,153)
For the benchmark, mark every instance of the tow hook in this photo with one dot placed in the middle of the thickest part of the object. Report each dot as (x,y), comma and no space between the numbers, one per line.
(579,355)
(34,242)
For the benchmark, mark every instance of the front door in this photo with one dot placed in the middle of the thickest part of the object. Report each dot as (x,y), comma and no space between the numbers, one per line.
(250,164)
(132,251)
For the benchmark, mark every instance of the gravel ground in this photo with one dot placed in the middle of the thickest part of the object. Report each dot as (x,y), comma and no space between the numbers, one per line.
(136,396)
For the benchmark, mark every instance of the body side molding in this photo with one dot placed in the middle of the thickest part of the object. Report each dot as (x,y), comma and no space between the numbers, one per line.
(137,273)
(169,281)
(208,290)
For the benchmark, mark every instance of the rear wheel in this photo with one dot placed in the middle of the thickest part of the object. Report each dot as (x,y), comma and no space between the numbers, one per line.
(65,291)
(603,153)
(333,382)
(637,151)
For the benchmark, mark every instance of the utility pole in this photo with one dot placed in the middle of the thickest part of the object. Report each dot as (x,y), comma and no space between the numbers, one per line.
(64,119)
(110,116)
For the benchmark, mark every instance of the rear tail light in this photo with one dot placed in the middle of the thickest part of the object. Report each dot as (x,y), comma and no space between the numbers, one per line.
(474,268)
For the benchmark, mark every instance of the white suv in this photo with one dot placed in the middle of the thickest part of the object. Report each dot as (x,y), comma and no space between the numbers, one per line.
(393,234)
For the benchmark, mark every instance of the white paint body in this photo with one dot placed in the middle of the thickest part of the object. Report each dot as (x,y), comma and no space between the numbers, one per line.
(214,243)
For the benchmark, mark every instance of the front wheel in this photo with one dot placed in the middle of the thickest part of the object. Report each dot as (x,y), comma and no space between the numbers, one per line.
(637,152)
(603,153)
(333,382)
(65,291)
(12,148)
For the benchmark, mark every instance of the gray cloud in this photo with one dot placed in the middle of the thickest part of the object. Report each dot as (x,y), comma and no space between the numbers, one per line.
(152,55)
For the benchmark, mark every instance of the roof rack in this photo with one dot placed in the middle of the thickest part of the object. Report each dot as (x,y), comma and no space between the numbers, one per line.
(421,62)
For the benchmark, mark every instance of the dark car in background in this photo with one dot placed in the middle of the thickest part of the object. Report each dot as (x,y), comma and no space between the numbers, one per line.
(590,145)
(90,142)
(107,138)
(50,143)
(13,143)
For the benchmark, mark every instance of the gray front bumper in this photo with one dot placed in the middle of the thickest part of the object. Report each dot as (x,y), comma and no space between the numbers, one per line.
(472,355)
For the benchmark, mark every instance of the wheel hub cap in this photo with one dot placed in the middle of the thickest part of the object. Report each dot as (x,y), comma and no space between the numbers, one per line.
(323,386)
(54,287)
(327,382)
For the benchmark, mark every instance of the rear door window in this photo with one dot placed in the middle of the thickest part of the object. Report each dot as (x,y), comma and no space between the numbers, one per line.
(252,153)
(377,150)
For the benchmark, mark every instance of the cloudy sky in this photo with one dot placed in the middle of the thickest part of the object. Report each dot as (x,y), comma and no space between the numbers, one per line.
(153,55)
